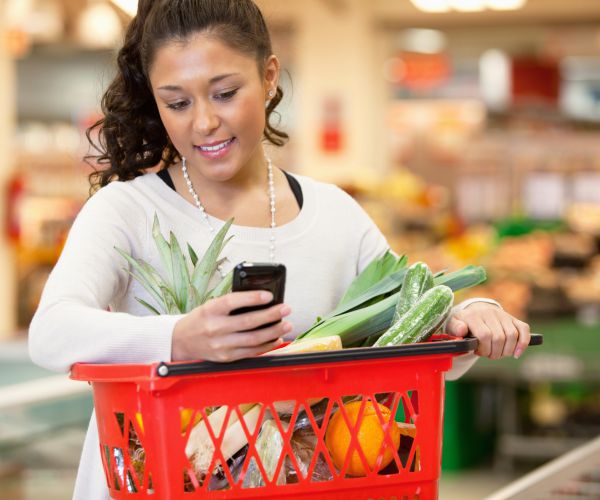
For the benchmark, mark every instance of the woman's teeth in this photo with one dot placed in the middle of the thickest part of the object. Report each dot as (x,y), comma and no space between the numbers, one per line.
(218,147)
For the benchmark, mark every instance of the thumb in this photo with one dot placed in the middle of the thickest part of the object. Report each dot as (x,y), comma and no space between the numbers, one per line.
(456,327)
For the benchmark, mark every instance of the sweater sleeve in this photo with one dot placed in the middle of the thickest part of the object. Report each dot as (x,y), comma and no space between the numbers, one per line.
(72,323)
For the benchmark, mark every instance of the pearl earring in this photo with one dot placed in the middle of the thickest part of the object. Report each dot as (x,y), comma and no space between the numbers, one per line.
(271,94)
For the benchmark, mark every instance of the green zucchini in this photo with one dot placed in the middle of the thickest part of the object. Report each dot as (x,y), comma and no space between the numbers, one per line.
(417,281)
(422,320)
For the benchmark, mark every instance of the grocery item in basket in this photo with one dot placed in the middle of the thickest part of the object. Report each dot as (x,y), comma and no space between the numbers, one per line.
(417,281)
(422,320)
(200,447)
(367,309)
(370,435)
(303,442)
(185,286)
(331,343)
(269,446)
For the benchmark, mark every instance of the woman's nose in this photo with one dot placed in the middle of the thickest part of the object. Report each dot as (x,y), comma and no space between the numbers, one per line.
(206,120)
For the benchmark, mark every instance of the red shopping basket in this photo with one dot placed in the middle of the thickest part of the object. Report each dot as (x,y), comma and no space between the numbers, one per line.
(198,430)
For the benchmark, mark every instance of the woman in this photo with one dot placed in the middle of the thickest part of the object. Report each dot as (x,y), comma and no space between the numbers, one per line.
(196,85)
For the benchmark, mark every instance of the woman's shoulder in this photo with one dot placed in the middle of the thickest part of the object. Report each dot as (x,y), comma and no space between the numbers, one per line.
(125,197)
(122,191)
(322,188)
(328,194)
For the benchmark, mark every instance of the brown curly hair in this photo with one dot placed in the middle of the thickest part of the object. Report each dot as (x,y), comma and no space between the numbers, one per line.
(131,135)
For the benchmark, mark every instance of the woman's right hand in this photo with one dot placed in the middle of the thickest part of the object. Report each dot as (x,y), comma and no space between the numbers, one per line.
(208,332)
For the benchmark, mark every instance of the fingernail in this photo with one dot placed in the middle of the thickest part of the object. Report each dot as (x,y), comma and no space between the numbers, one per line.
(285,310)
(266,296)
(518,352)
(288,327)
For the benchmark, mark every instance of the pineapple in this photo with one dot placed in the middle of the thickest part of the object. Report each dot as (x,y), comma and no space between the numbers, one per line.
(185,286)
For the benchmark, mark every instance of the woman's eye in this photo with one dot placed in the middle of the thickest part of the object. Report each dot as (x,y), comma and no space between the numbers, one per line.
(177,105)
(225,96)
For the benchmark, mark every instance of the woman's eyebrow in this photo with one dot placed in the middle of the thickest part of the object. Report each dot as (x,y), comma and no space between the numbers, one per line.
(212,81)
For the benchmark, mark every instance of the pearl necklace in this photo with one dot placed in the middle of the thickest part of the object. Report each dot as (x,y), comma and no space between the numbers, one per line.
(272,207)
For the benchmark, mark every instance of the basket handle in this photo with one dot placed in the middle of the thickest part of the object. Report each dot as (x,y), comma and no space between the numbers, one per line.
(536,339)
(453,346)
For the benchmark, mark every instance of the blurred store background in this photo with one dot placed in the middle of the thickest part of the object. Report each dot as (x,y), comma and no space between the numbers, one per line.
(470,131)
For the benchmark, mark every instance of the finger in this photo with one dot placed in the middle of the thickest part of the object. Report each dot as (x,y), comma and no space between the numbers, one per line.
(524,337)
(482,333)
(257,338)
(498,335)
(512,334)
(231,301)
(251,352)
(457,327)
(255,319)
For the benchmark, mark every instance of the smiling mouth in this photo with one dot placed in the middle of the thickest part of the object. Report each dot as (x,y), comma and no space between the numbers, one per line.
(216,147)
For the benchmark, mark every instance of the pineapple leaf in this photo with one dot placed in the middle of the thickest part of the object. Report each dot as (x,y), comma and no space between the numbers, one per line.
(193,256)
(170,301)
(205,268)
(164,250)
(194,299)
(181,274)
(142,275)
(223,287)
(147,306)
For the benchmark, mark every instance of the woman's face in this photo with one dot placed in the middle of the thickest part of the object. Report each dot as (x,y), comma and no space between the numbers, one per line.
(211,100)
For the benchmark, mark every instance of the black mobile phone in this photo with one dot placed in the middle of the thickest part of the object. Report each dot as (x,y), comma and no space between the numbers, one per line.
(259,276)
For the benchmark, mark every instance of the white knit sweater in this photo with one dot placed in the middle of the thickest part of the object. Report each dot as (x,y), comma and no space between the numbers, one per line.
(88,312)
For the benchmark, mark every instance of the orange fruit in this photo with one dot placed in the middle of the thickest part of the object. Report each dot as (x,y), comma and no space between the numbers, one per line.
(186,418)
(370,435)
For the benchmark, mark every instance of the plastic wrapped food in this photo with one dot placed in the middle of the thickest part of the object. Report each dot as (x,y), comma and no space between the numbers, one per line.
(269,446)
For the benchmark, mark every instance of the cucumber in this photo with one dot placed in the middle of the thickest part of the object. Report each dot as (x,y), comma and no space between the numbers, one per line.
(417,281)
(422,320)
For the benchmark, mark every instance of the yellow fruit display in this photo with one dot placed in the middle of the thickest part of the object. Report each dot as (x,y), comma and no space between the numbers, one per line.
(370,435)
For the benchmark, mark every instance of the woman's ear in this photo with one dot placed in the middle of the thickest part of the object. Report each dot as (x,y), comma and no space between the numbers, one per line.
(272,70)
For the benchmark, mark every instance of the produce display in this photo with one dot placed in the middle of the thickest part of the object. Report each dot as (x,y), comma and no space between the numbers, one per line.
(388,304)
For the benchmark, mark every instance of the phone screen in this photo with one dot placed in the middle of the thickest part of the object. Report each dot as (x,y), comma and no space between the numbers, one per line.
(259,276)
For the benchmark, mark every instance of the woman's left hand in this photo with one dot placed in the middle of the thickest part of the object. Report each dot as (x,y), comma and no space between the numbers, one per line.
(499,333)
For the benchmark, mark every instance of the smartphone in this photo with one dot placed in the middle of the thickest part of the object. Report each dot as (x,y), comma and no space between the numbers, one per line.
(259,276)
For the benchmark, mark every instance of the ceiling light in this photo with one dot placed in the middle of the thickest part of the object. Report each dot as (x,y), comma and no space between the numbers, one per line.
(99,26)
(506,4)
(431,5)
(468,5)
(127,6)
(425,41)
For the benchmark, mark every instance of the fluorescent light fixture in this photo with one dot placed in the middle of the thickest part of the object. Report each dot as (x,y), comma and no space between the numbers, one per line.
(425,41)
(432,5)
(506,4)
(127,6)
(438,6)
(468,5)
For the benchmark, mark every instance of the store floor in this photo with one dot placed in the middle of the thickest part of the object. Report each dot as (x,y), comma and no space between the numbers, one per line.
(48,471)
